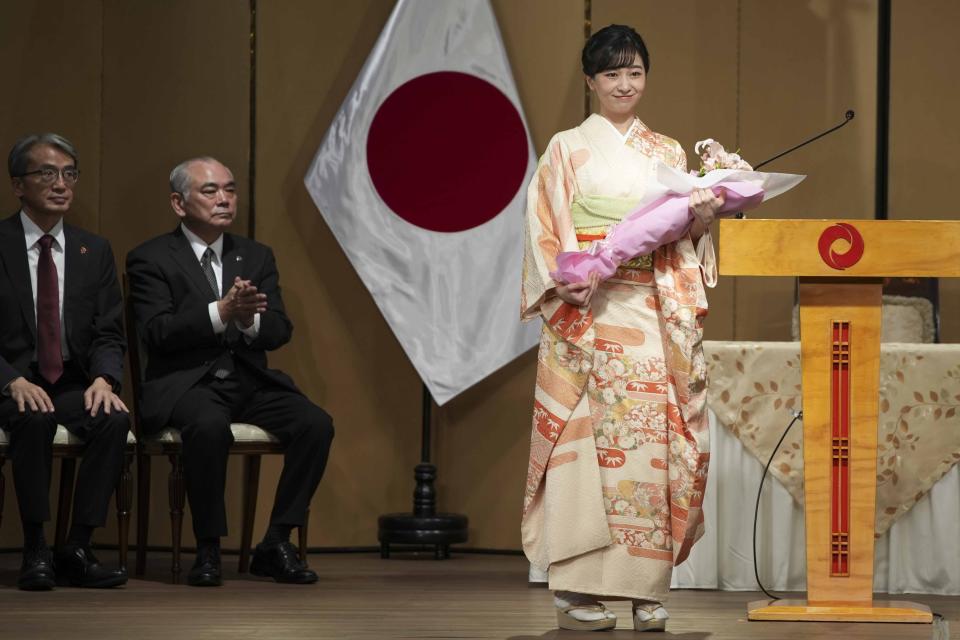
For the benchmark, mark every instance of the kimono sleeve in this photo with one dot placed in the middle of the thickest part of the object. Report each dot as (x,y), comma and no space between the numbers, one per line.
(548,229)
(706,254)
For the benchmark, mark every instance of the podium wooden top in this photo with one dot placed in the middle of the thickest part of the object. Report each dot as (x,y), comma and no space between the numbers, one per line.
(840,248)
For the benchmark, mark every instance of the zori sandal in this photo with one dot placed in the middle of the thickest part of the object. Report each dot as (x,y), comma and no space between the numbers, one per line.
(566,620)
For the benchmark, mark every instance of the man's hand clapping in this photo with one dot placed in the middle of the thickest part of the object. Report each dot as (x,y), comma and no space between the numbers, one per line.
(241,303)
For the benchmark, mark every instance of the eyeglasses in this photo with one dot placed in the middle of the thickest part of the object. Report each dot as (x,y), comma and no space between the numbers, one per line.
(49,175)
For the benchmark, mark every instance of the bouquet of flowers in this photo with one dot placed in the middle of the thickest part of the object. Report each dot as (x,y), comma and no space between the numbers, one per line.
(713,156)
(664,215)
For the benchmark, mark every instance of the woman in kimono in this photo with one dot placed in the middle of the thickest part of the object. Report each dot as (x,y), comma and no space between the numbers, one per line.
(619,450)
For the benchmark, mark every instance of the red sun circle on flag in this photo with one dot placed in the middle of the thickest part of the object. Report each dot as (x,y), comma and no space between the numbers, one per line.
(841,231)
(447,151)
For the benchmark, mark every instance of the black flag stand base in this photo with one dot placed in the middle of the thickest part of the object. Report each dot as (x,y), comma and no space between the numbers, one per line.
(423,527)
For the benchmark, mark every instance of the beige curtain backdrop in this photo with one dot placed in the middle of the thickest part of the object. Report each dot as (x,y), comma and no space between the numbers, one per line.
(140,85)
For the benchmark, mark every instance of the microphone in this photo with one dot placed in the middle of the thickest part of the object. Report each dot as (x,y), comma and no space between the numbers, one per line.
(847,117)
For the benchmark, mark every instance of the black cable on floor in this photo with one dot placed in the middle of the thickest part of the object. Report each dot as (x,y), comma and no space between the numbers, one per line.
(756,510)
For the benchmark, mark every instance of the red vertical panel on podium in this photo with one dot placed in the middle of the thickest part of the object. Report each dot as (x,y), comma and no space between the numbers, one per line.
(840,456)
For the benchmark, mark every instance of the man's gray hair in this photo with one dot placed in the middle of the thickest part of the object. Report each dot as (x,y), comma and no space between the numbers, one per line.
(180,176)
(18,160)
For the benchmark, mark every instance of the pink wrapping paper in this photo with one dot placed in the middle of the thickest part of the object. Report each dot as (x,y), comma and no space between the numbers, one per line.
(660,222)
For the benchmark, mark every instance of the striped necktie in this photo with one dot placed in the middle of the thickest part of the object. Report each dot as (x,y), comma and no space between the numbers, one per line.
(206,263)
(224,364)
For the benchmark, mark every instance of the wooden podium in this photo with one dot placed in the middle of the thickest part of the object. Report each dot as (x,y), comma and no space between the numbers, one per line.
(840,264)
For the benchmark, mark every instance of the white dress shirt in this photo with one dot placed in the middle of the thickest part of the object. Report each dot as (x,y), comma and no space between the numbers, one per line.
(32,234)
(199,248)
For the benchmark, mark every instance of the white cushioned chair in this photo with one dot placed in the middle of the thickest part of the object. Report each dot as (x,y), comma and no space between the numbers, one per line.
(68,448)
(250,441)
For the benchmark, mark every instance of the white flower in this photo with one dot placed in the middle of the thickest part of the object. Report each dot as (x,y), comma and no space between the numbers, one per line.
(677,336)
(685,314)
(602,442)
(627,442)
(707,148)
(561,349)
(734,161)
(617,367)
(609,397)
(714,156)
(678,447)
(657,538)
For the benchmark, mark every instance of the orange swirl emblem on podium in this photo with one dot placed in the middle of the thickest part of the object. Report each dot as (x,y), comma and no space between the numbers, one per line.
(841,231)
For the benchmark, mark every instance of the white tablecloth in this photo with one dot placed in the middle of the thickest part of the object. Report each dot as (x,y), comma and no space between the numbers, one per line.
(920,553)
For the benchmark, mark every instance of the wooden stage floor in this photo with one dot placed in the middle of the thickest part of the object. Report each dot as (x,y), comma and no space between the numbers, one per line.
(362,596)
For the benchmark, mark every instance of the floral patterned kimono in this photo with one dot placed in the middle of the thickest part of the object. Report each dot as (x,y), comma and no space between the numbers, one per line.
(619,445)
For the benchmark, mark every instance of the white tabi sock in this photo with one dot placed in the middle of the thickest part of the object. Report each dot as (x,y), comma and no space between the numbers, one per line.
(564,599)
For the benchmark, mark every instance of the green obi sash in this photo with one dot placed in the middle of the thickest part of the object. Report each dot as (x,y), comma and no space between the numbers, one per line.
(593,217)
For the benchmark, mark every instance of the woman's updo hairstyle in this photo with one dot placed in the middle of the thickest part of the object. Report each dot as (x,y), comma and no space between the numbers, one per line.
(613,47)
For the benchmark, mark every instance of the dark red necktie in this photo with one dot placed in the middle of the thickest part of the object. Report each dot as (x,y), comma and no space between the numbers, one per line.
(49,356)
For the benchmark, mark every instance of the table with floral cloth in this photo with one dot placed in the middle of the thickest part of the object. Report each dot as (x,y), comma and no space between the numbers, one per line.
(754,386)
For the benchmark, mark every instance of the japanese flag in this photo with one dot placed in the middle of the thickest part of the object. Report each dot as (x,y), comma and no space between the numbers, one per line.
(421,177)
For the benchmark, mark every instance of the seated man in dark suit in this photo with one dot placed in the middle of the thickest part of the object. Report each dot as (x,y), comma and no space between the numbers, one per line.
(61,360)
(208,308)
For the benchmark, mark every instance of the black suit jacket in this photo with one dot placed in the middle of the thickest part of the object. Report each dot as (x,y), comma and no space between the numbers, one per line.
(92,306)
(171,297)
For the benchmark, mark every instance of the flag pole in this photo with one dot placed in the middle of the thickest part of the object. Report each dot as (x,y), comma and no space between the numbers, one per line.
(424,526)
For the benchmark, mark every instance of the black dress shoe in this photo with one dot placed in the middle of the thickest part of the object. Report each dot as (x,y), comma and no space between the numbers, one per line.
(281,562)
(78,567)
(206,568)
(36,572)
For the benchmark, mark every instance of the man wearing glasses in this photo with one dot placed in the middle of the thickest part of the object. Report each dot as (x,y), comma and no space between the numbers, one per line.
(61,361)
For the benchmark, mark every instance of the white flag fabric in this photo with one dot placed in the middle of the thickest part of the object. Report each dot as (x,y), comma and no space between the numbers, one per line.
(422,179)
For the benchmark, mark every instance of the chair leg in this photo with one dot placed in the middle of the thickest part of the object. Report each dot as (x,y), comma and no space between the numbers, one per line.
(65,499)
(302,535)
(251,482)
(143,511)
(124,500)
(177,491)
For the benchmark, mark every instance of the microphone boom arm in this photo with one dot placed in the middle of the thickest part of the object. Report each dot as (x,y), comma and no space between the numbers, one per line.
(848,116)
